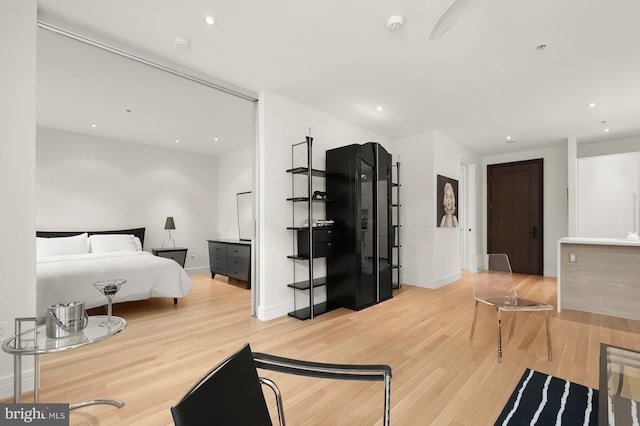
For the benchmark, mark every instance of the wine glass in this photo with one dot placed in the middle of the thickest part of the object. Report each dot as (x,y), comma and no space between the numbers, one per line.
(109,288)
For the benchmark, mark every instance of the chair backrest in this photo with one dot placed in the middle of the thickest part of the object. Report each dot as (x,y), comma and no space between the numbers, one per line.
(492,277)
(229,394)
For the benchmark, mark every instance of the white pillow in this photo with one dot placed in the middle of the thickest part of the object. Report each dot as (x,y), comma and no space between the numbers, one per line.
(57,246)
(106,243)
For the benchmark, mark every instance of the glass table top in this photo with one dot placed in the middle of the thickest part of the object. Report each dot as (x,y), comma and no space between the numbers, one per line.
(33,343)
(619,384)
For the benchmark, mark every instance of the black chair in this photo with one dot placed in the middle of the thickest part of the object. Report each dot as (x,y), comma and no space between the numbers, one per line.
(231,393)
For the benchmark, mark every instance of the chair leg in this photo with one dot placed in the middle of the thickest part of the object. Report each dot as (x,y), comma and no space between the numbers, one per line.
(473,324)
(278,396)
(499,335)
(387,400)
(513,325)
(546,318)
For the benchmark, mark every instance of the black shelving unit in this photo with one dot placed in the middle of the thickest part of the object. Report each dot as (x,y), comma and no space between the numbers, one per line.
(306,308)
(395,224)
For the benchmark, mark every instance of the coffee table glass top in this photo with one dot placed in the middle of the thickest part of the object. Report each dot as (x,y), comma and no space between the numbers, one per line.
(30,343)
(619,384)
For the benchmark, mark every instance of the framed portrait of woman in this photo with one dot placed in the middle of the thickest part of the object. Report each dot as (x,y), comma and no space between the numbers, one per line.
(447,202)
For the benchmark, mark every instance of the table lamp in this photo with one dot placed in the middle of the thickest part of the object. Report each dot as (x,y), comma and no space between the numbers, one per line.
(169,225)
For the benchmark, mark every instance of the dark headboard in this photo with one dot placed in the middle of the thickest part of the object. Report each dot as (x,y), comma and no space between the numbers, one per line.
(138,232)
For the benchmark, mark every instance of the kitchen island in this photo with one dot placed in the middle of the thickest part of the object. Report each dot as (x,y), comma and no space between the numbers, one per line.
(599,275)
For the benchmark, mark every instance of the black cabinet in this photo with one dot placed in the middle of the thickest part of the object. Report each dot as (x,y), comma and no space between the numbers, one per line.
(179,254)
(322,242)
(359,269)
(230,258)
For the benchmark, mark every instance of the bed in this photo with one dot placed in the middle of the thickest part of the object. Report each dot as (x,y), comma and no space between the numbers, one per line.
(68,263)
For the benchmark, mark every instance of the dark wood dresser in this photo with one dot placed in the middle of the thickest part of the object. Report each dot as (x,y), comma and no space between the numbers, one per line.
(231,258)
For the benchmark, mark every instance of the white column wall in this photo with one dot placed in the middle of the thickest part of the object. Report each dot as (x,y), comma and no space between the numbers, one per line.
(17,173)
(417,214)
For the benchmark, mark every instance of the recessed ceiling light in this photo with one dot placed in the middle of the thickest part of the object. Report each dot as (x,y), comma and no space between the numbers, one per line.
(177,140)
(607,130)
(592,105)
(510,140)
(94,125)
(209,20)
(379,108)
(216,139)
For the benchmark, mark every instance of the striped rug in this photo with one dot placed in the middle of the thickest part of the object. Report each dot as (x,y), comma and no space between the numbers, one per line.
(540,399)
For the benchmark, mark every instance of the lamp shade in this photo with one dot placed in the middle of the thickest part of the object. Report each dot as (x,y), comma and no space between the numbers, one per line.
(169,224)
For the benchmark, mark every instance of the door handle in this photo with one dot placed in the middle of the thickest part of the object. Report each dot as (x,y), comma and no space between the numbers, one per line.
(534,232)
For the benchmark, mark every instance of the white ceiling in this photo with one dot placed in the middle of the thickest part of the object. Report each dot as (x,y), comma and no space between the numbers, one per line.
(480,82)
(79,85)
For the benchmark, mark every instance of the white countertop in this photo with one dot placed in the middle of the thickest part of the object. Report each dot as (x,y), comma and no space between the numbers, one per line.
(600,241)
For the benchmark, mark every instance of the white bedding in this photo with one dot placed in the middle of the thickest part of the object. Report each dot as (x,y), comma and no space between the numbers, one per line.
(71,277)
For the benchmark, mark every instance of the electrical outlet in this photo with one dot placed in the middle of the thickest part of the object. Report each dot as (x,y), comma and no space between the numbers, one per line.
(573,258)
(193,255)
(4,331)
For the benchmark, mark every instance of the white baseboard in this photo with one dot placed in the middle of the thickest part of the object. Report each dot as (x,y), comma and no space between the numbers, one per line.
(274,311)
(6,384)
(433,284)
(283,309)
(198,270)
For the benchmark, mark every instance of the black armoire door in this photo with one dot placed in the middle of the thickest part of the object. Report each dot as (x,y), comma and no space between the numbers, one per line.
(358,194)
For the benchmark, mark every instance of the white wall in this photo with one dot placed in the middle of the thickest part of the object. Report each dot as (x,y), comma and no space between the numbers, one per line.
(90,183)
(17,173)
(282,124)
(430,255)
(235,174)
(613,146)
(417,214)
(555,182)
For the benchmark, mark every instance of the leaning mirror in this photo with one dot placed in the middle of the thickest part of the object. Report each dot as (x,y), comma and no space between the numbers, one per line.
(245,215)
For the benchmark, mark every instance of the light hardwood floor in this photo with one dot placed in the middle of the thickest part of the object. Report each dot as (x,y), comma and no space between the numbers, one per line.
(439,376)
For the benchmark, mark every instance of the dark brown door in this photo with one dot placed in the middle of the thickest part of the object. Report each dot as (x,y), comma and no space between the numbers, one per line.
(514,203)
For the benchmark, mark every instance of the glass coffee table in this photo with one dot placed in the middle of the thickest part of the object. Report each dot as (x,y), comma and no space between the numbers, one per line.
(619,393)
(34,341)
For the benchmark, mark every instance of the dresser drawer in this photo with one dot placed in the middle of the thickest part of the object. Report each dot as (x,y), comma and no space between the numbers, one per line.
(217,249)
(219,266)
(238,269)
(179,254)
(243,252)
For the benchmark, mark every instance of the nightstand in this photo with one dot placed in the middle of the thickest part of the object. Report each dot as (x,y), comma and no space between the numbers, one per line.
(179,254)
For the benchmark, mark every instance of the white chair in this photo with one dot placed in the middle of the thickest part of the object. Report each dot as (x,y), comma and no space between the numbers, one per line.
(493,285)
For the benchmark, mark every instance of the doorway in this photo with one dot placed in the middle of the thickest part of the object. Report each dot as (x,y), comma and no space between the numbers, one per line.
(514,213)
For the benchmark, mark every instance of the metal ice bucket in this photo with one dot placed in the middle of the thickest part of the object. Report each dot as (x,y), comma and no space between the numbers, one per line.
(66,319)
